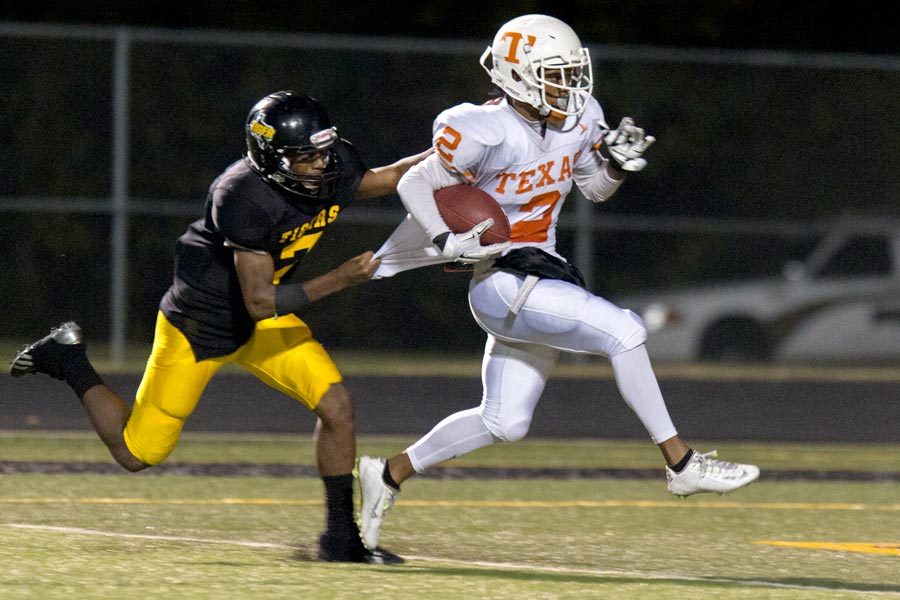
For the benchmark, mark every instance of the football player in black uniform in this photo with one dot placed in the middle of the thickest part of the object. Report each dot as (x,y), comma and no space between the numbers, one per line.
(233,301)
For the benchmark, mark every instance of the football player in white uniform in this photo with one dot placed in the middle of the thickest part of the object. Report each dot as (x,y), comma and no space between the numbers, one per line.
(526,150)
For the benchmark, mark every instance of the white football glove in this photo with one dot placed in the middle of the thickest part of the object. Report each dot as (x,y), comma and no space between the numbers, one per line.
(626,144)
(466,247)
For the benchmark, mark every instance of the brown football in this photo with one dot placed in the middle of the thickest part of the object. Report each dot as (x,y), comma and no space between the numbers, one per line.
(464,206)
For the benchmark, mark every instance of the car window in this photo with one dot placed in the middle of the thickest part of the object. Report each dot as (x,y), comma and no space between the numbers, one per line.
(860,255)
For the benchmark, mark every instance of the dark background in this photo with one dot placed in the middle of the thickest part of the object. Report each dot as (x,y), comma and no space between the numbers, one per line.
(735,141)
(863,26)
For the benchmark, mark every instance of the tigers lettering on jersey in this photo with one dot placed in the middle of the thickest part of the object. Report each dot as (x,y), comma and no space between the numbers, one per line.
(323,218)
(302,239)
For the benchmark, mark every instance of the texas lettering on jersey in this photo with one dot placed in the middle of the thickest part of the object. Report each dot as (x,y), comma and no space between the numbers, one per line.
(528,173)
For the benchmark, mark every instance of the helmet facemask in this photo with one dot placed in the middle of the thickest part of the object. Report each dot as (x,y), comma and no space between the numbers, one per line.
(309,185)
(573,82)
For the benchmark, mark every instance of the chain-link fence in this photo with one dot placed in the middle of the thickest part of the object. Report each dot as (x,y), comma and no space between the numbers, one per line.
(109,138)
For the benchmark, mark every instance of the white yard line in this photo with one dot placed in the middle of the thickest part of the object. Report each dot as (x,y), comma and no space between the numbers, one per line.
(146,536)
(466,563)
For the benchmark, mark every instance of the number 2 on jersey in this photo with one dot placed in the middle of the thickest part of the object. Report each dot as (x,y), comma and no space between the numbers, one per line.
(535,230)
(449,140)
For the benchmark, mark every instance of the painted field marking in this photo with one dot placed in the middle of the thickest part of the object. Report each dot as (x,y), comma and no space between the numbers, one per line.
(524,504)
(167,501)
(144,536)
(887,548)
(600,573)
(762,583)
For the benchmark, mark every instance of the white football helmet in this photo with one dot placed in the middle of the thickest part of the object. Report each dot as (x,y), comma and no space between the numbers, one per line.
(532,53)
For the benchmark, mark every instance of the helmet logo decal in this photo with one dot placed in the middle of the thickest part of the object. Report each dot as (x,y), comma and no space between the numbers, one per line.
(514,39)
(324,138)
(260,129)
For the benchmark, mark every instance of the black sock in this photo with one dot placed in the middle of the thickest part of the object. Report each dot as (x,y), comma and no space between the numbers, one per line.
(79,373)
(339,503)
(388,479)
(678,468)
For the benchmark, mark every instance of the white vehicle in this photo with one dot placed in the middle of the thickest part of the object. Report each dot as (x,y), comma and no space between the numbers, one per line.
(842,303)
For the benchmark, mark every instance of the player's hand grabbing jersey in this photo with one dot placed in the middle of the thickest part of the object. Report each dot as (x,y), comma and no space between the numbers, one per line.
(242,211)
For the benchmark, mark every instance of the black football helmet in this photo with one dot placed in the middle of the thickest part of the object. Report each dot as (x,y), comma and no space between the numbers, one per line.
(285,124)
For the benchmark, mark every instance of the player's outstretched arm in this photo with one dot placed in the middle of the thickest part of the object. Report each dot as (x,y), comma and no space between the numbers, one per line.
(382,181)
(354,271)
(264,300)
(621,152)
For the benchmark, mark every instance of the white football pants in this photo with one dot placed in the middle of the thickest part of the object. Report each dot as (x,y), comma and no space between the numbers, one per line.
(521,351)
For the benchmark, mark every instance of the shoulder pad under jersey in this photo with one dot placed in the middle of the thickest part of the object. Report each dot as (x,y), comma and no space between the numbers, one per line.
(238,215)
(463,134)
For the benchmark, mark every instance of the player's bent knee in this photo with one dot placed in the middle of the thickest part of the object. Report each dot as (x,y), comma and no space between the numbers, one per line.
(634,335)
(509,432)
(149,437)
(336,408)
(128,461)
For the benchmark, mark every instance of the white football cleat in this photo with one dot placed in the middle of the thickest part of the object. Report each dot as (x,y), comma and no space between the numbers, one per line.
(376,499)
(704,473)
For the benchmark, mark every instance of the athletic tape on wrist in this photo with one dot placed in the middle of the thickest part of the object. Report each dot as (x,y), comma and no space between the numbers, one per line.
(289,298)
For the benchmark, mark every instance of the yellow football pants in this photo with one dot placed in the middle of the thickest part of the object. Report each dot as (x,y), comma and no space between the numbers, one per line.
(281,353)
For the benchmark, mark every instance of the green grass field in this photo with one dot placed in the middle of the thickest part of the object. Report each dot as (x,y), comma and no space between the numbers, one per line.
(176,536)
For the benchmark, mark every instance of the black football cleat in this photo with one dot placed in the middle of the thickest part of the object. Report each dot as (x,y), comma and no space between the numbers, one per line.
(334,547)
(349,548)
(48,354)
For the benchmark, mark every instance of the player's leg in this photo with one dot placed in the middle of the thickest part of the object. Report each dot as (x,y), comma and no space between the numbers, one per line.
(513,378)
(284,355)
(289,359)
(108,414)
(567,317)
(172,384)
(63,355)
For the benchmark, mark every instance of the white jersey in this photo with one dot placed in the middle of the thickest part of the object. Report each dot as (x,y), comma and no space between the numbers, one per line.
(529,174)
(529,171)
(529,320)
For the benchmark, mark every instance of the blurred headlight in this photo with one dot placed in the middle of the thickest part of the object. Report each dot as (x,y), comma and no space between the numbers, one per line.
(658,315)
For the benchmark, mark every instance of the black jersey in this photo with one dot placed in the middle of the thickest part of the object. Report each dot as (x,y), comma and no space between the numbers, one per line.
(241,210)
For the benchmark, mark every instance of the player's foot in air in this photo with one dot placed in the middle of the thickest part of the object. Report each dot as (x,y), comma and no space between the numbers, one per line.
(704,473)
(49,354)
(376,498)
(348,547)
